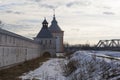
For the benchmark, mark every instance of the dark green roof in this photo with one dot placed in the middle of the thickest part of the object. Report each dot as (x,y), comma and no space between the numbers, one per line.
(54,26)
(44,32)
(45,21)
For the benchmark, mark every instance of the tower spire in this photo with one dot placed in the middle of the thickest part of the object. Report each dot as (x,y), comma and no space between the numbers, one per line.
(54,12)
(44,18)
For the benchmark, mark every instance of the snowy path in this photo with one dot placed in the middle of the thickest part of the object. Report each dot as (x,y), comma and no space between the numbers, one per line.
(50,70)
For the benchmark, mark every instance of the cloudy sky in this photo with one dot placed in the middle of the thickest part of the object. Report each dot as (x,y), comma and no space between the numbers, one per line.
(84,21)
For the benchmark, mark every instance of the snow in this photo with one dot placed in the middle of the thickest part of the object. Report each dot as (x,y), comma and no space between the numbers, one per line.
(90,65)
(108,53)
(60,54)
(50,70)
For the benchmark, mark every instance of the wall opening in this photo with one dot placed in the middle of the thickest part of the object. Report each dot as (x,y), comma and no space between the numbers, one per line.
(46,54)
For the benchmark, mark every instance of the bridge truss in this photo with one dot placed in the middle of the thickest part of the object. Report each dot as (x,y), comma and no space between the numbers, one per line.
(109,44)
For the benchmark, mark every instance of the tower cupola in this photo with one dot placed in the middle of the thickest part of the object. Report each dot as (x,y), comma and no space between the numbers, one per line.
(44,32)
(45,23)
(54,20)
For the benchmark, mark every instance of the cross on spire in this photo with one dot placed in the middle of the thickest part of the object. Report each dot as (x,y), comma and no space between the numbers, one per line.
(54,12)
(44,18)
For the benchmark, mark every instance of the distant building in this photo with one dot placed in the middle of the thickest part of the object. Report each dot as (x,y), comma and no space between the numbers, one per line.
(57,34)
(46,39)
(51,39)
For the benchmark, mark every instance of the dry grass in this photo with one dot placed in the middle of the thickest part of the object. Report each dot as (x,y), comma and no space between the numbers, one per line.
(14,72)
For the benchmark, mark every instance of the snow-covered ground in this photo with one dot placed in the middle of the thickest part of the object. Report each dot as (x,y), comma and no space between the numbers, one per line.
(91,67)
(107,53)
(82,65)
(50,70)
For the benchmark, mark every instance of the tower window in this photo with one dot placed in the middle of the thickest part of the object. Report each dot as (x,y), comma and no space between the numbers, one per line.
(0,37)
(41,42)
(50,41)
(45,41)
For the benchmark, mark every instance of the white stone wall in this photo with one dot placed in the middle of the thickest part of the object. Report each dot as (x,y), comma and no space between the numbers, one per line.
(57,44)
(47,45)
(17,49)
(59,41)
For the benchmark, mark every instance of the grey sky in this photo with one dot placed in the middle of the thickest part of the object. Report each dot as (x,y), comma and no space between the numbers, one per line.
(82,20)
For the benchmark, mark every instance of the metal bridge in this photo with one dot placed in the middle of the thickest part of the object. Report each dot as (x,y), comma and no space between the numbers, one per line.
(113,44)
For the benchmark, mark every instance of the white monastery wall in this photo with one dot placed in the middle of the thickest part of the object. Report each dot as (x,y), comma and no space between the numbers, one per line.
(15,49)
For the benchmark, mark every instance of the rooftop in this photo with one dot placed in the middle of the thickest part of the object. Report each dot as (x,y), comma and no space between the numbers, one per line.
(54,27)
(44,32)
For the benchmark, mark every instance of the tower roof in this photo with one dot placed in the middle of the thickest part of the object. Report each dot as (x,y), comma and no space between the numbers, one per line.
(45,21)
(44,32)
(54,27)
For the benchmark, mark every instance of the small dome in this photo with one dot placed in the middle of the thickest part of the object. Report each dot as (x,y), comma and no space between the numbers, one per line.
(45,21)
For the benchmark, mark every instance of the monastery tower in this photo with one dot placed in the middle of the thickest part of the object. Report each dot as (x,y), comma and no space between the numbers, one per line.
(57,34)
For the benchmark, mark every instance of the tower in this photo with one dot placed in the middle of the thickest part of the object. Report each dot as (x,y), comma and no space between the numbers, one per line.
(57,34)
(46,39)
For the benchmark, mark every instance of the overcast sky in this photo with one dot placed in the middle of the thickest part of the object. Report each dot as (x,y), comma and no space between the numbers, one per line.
(84,21)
